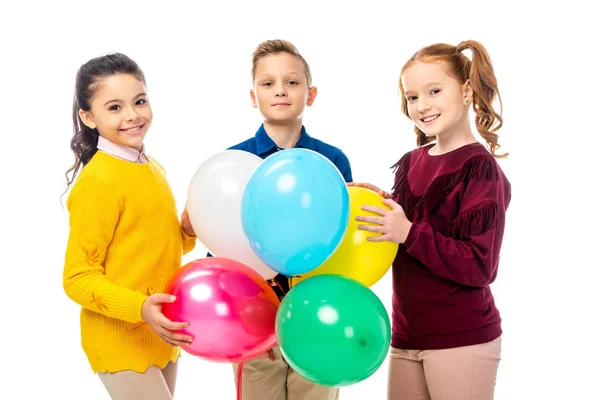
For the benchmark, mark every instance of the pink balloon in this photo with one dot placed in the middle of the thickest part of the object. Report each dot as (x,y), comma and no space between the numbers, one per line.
(230,309)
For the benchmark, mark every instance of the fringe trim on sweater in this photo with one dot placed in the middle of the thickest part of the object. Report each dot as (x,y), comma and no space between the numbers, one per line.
(475,221)
(477,167)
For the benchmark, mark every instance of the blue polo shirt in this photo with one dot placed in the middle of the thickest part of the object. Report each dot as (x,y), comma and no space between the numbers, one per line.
(263,146)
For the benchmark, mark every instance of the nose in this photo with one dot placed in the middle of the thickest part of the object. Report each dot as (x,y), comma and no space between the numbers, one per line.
(132,114)
(423,105)
(280,90)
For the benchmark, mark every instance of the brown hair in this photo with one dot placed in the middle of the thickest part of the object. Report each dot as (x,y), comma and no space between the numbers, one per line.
(274,47)
(85,139)
(479,72)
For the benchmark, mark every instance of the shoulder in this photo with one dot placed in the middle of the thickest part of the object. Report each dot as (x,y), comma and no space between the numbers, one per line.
(330,151)
(480,164)
(482,172)
(98,179)
(401,166)
(156,164)
(247,144)
(102,170)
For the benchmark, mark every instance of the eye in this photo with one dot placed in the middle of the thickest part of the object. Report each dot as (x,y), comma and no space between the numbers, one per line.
(411,98)
(293,82)
(268,84)
(114,107)
(435,91)
(140,102)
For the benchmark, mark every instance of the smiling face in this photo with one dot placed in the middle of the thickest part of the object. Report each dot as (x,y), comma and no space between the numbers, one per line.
(281,88)
(436,102)
(120,110)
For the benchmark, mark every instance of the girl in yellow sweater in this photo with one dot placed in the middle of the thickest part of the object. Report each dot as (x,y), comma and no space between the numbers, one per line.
(126,239)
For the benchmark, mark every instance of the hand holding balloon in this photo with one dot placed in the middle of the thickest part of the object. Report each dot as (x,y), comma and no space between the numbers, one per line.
(165,328)
(392,224)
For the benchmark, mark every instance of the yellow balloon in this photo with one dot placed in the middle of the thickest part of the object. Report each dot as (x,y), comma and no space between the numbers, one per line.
(356,258)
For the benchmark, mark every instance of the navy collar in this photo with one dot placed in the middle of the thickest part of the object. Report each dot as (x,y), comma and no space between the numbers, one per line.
(265,144)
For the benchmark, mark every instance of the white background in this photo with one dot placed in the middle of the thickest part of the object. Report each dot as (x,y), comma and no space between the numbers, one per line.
(197,63)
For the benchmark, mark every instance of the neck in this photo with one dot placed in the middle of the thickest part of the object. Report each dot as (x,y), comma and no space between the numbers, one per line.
(285,135)
(452,140)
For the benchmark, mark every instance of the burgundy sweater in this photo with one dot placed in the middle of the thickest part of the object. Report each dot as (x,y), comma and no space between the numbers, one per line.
(457,203)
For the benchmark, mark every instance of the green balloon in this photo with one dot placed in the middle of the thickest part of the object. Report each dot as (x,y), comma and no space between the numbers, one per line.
(333,330)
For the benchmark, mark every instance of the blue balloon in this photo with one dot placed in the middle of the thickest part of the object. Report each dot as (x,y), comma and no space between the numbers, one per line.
(295,210)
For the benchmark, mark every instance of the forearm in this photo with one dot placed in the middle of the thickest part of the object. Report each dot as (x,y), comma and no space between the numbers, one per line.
(89,287)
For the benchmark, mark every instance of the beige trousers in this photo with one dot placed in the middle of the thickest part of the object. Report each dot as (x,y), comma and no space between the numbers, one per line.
(266,379)
(154,384)
(461,373)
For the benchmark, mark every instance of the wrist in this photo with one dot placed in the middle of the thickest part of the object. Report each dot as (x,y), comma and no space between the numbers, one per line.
(143,309)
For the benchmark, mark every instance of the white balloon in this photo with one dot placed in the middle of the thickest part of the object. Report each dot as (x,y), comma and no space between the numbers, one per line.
(214,204)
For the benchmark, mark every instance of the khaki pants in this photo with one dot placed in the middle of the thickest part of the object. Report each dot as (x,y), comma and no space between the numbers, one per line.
(461,373)
(154,384)
(266,379)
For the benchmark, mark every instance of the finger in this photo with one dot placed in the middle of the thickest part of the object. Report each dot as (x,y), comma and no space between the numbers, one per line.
(175,343)
(376,210)
(375,189)
(178,337)
(363,185)
(392,204)
(171,325)
(174,337)
(367,218)
(386,195)
(379,238)
(159,298)
(370,228)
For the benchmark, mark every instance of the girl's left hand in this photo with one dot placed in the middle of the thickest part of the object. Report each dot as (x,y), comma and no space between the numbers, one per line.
(186,224)
(392,224)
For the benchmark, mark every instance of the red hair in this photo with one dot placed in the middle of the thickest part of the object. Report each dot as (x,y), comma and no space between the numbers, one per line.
(480,74)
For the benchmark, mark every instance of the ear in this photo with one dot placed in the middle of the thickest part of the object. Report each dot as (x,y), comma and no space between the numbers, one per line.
(253,98)
(87,118)
(467,92)
(312,94)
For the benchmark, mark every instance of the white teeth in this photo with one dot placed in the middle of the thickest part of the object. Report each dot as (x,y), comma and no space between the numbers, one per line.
(132,129)
(429,119)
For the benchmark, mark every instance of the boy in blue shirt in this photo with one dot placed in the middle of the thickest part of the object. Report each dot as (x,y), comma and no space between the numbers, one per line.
(282,88)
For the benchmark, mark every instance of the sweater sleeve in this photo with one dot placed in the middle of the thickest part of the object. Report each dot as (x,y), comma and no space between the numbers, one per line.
(469,252)
(189,242)
(94,207)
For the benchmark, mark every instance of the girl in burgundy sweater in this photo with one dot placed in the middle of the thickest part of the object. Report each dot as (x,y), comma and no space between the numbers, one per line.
(448,210)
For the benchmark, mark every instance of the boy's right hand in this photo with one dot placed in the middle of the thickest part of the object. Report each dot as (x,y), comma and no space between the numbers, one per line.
(369,186)
(152,314)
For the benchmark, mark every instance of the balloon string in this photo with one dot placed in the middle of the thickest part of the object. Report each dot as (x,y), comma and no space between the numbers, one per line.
(280,288)
(239,380)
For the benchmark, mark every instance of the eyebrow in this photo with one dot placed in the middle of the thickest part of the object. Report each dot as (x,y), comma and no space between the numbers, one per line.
(269,75)
(120,101)
(430,84)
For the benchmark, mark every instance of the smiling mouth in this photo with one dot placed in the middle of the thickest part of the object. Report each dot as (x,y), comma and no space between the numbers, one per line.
(133,130)
(430,118)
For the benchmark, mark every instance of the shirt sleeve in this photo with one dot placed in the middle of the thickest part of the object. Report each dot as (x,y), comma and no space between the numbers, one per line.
(469,252)
(95,207)
(343,165)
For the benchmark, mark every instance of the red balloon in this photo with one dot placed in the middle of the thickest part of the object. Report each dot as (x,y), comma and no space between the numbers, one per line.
(230,309)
